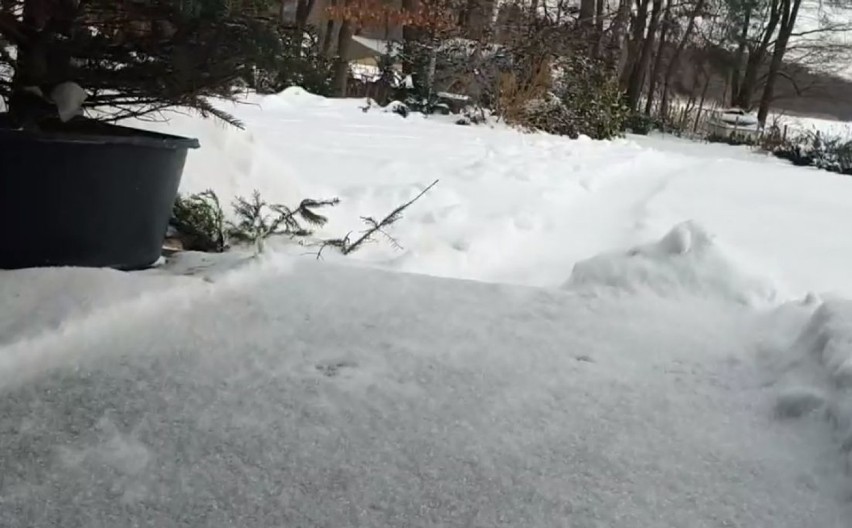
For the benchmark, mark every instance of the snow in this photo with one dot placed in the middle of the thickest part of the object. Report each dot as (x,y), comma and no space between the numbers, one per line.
(523,209)
(831,128)
(684,262)
(638,332)
(289,394)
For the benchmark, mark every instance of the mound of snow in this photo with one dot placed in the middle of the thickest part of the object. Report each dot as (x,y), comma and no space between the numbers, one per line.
(822,356)
(828,337)
(397,107)
(293,97)
(684,262)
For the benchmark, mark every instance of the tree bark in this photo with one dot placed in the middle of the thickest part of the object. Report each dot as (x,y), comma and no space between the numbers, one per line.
(658,59)
(756,57)
(303,12)
(341,65)
(673,62)
(328,34)
(637,77)
(599,28)
(701,104)
(790,13)
(739,56)
(634,44)
(410,36)
(615,54)
(586,21)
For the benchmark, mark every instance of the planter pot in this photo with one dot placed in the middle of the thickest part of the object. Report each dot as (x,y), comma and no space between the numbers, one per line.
(88,194)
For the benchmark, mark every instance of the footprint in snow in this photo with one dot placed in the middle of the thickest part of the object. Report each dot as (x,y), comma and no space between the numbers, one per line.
(333,368)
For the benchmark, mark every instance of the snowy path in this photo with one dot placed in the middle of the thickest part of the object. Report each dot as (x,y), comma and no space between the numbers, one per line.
(328,397)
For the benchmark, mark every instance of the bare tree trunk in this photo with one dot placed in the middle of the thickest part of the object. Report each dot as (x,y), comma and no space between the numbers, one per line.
(658,60)
(701,104)
(756,58)
(673,62)
(304,8)
(739,56)
(341,65)
(637,77)
(616,48)
(634,45)
(409,39)
(586,21)
(599,28)
(790,13)
(328,34)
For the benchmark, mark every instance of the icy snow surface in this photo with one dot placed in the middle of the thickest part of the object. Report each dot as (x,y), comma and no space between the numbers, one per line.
(640,346)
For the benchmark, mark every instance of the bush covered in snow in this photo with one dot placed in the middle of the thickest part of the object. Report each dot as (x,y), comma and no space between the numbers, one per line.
(831,153)
(808,149)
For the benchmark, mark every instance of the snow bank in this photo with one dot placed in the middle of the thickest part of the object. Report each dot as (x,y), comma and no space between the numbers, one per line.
(327,396)
(827,338)
(65,305)
(812,381)
(686,261)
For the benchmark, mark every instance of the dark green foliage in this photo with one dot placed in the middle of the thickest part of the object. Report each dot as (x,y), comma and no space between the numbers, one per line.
(592,94)
(642,124)
(550,115)
(137,57)
(201,222)
(257,220)
(585,99)
(299,63)
(732,139)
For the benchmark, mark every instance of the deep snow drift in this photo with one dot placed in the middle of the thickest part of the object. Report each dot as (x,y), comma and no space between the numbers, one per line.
(670,368)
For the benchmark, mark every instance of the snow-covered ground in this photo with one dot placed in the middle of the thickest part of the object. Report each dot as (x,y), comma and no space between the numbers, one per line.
(523,209)
(655,334)
(831,128)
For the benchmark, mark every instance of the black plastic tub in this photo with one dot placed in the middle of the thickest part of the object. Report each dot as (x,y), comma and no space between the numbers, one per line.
(90,194)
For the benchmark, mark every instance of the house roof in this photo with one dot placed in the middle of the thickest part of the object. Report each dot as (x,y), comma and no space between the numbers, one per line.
(363,47)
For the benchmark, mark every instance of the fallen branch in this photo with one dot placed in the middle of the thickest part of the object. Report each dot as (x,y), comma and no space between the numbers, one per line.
(391,218)
(374,226)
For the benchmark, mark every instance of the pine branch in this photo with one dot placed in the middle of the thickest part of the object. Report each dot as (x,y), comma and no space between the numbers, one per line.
(311,217)
(378,226)
(203,107)
(200,221)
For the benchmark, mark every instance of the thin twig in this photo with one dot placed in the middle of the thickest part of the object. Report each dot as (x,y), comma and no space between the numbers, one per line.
(392,217)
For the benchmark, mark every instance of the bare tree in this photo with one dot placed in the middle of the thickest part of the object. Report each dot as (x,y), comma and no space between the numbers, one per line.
(658,59)
(645,51)
(789,13)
